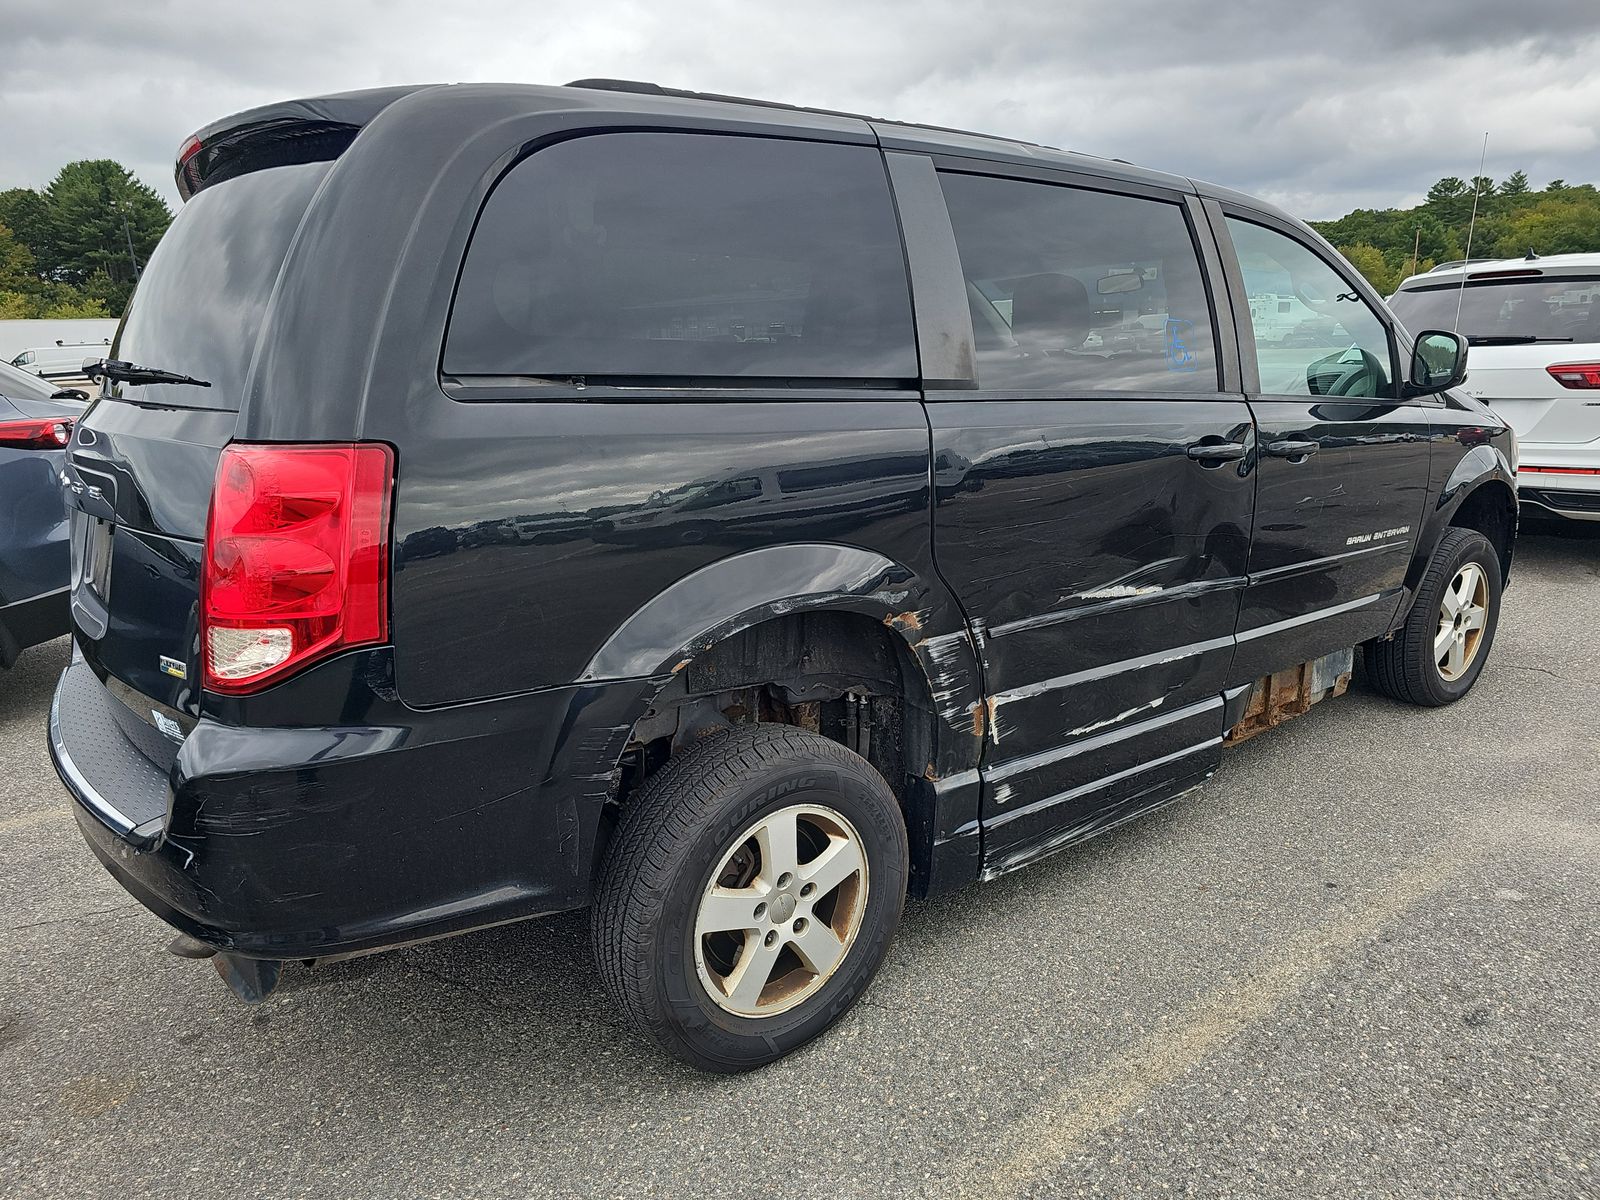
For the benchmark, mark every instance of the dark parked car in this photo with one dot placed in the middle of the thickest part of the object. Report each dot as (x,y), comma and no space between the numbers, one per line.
(927,502)
(35,422)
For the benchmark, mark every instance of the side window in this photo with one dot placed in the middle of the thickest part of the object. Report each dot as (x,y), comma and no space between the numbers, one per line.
(687,256)
(1314,334)
(1072,289)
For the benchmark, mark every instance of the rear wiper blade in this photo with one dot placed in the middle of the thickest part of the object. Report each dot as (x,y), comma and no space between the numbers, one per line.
(127,372)
(1509,339)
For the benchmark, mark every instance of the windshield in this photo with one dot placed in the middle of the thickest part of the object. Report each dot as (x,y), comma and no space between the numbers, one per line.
(1532,308)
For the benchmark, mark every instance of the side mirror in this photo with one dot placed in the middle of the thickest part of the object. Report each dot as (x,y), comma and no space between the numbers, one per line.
(1438,362)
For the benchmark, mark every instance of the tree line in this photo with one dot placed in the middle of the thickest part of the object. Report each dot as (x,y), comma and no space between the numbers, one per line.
(1386,245)
(75,247)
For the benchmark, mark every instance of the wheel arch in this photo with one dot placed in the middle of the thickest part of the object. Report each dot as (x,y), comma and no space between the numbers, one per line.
(1488,504)
(790,633)
(1480,493)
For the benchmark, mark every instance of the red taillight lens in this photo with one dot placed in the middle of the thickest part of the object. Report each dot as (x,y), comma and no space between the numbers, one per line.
(296,559)
(1576,375)
(48,434)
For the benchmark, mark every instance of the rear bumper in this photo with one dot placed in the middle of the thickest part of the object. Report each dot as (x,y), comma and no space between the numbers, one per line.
(28,622)
(1568,503)
(314,842)
(1556,480)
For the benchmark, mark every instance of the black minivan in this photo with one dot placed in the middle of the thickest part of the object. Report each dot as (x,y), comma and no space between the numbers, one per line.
(731,517)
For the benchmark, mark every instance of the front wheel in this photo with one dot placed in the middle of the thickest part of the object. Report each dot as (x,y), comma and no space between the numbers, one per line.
(749,895)
(1439,652)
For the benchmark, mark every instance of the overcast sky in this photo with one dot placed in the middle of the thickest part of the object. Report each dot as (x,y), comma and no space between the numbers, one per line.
(1318,106)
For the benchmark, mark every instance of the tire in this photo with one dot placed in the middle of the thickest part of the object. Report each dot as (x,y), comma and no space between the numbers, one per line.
(1405,666)
(705,821)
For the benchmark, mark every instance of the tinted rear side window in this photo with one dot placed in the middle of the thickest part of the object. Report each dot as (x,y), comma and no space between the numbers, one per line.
(1078,290)
(686,256)
(203,296)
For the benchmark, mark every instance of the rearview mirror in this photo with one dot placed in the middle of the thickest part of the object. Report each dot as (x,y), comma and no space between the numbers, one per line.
(1438,362)
(1119,281)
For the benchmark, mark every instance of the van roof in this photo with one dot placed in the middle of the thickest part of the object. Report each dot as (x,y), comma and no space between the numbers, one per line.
(321,127)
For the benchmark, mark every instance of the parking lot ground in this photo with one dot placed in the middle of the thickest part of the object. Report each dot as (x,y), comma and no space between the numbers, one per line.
(1362,961)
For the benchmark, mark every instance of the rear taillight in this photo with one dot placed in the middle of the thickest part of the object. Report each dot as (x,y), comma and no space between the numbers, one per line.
(1576,375)
(50,433)
(296,559)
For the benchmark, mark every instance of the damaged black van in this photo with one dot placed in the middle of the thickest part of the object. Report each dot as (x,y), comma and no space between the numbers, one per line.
(726,516)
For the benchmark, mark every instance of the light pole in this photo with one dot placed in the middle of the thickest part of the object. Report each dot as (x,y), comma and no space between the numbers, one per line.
(116,203)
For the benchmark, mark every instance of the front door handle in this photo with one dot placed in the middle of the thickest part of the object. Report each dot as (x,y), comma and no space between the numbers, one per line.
(1292,449)
(1220,452)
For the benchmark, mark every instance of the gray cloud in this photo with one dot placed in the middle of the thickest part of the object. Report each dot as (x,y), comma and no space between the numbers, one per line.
(1319,107)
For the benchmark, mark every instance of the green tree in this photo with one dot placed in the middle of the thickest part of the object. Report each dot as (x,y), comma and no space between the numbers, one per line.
(17,273)
(1370,261)
(1553,226)
(24,212)
(77,308)
(1450,200)
(99,218)
(1516,184)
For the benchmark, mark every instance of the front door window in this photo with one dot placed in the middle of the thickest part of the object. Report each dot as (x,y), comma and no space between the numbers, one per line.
(1314,334)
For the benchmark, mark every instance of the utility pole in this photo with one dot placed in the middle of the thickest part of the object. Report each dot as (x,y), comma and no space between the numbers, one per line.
(122,212)
(1416,246)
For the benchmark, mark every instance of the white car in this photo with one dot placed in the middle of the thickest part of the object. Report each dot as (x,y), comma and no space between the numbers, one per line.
(64,360)
(1534,328)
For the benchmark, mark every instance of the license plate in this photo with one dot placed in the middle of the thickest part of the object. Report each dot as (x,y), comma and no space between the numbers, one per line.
(91,555)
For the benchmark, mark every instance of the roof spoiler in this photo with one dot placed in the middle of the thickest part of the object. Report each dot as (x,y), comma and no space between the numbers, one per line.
(293,131)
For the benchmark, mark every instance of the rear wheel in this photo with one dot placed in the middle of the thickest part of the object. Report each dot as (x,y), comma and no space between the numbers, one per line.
(1440,651)
(749,895)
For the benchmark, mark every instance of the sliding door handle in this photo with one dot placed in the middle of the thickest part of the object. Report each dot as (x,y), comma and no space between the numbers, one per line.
(1216,452)
(1293,449)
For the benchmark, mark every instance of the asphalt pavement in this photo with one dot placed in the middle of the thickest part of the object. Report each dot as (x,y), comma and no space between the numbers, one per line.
(1362,961)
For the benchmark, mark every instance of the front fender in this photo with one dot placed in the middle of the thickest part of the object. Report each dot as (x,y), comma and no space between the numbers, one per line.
(1483,465)
(1477,466)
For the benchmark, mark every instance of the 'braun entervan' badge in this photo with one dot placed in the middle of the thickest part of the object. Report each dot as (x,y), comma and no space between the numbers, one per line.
(174,667)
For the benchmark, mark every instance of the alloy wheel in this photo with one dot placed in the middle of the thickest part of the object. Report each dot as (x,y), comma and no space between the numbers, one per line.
(780,910)
(1463,614)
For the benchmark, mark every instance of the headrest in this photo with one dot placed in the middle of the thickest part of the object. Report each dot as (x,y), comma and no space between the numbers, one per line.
(1050,310)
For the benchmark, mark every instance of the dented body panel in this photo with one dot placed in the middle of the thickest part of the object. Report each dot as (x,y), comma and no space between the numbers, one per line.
(1102,570)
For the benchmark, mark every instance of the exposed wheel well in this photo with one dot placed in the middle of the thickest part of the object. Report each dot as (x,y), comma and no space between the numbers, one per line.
(1492,510)
(841,674)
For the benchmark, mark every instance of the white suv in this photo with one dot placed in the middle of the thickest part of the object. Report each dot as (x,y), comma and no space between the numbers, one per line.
(1534,327)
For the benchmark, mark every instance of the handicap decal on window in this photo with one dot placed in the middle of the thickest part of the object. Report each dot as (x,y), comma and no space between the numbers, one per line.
(1179,356)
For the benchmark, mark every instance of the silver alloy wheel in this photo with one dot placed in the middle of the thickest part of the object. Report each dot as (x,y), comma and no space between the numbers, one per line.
(1463,614)
(772,927)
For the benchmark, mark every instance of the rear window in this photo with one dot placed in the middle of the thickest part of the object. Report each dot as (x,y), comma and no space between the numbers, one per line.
(639,257)
(1529,308)
(203,296)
